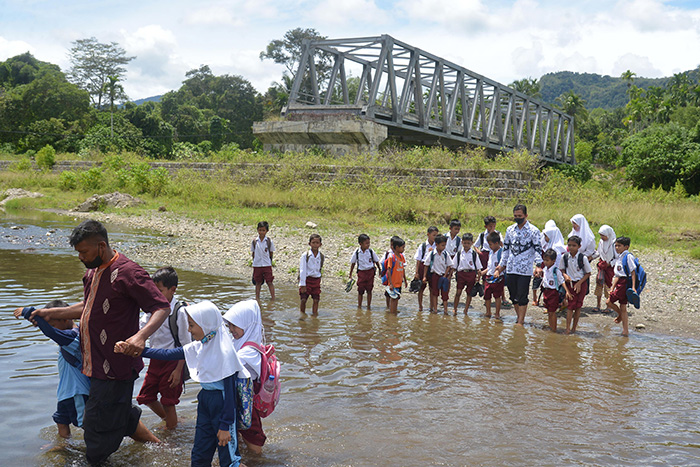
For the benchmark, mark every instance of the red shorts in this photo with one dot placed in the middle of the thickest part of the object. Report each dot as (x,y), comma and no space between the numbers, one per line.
(263,274)
(365,281)
(494,290)
(255,434)
(551,299)
(577,302)
(466,278)
(606,272)
(313,288)
(620,292)
(436,291)
(421,272)
(156,381)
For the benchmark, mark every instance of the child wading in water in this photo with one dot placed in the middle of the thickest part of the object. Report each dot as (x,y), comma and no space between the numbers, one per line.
(619,283)
(212,361)
(310,269)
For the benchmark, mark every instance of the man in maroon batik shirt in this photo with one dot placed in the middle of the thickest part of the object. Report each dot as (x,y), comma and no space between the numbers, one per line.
(115,289)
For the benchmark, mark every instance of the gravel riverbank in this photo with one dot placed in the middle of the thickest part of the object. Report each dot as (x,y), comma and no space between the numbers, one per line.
(670,302)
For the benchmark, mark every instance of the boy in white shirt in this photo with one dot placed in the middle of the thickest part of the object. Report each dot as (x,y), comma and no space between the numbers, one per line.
(552,281)
(310,267)
(367,261)
(494,285)
(437,273)
(421,253)
(619,283)
(577,271)
(454,243)
(468,267)
(262,249)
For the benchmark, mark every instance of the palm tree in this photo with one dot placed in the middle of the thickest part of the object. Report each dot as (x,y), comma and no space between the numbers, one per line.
(114,91)
(573,104)
(628,77)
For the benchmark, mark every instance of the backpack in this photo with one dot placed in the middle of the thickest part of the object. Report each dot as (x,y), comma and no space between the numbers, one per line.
(372,255)
(267,240)
(429,272)
(172,321)
(386,274)
(308,255)
(565,257)
(459,255)
(560,287)
(641,273)
(263,400)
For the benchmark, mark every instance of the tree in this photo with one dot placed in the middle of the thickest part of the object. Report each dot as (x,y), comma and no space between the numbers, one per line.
(287,51)
(92,63)
(114,91)
(529,86)
(573,104)
(628,77)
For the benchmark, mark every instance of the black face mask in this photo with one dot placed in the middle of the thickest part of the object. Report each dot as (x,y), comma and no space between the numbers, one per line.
(95,263)
(519,220)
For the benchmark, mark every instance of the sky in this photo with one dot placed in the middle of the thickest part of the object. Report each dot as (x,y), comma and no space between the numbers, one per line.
(504,40)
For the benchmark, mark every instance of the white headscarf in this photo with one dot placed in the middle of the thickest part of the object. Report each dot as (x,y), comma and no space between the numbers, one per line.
(547,244)
(246,315)
(606,249)
(586,234)
(556,239)
(215,359)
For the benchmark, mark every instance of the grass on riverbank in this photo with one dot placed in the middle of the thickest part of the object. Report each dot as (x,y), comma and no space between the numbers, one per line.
(653,219)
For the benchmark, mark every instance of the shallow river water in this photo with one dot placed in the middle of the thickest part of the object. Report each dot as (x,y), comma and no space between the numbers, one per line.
(365,388)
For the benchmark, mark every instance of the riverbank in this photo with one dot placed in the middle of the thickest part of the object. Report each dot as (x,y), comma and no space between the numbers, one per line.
(670,302)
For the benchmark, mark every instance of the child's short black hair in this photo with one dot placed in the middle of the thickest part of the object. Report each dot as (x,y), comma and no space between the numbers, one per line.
(397,242)
(362,238)
(493,237)
(624,241)
(520,207)
(489,220)
(312,236)
(574,238)
(468,236)
(166,276)
(56,304)
(455,223)
(432,228)
(264,224)
(440,239)
(550,254)
(88,229)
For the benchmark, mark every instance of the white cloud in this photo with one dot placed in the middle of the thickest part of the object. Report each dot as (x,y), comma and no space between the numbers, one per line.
(642,66)
(653,15)
(462,17)
(334,12)
(9,48)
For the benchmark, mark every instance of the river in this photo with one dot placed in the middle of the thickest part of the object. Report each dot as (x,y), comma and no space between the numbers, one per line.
(364,388)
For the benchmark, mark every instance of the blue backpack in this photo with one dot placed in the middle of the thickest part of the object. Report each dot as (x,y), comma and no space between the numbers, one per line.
(641,274)
(384,274)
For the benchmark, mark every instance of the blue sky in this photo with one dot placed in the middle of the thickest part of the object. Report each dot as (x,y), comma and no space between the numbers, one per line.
(502,39)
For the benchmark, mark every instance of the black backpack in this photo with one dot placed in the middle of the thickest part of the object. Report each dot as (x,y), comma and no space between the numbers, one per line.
(566,257)
(459,256)
(172,321)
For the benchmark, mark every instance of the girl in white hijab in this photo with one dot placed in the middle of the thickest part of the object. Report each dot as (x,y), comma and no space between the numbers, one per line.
(555,241)
(580,227)
(245,323)
(607,254)
(212,361)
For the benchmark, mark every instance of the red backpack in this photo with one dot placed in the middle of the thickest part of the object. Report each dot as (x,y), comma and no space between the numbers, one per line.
(265,400)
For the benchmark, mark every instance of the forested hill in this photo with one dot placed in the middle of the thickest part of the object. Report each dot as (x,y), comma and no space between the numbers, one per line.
(606,92)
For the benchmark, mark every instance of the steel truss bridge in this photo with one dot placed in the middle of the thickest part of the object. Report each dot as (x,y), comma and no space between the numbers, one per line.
(423,99)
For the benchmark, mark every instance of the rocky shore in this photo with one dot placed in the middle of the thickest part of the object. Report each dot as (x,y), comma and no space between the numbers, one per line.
(670,302)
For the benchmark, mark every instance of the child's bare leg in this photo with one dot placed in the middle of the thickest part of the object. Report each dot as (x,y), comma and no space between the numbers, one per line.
(420,300)
(624,319)
(314,307)
(157,408)
(458,294)
(433,303)
(552,317)
(487,304)
(569,316)
(271,287)
(499,301)
(388,300)
(467,303)
(369,299)
(614,308)
(302,305)
(359,300)
(577,314)
(63,430)
(258,287)
(598,298)
(252,448)
(393,305)
(444,305)
(144,435)
(170,417)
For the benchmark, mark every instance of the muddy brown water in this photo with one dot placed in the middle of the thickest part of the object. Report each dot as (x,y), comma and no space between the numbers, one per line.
(365,388)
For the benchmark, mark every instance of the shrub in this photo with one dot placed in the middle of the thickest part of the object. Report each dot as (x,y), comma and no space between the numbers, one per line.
(580,172)
(46,157)
(140,176)
(90,179)
(22,165)
(68,180)
(159,179)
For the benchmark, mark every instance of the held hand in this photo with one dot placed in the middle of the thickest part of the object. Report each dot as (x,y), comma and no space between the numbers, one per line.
(174,378)
(538,272)
(18,313)
(497,273)
(577,287)
(569,295)
(121,347)
(135,345)
(302,289)
(224,437)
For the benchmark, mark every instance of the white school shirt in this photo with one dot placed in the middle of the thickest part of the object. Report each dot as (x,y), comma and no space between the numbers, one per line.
(440,261)
(481,242)
(548,278)
(573,271)
(493,262)
(367,259)
(454,245)
(419,251)
(619,268)
(589,249)
(466,261)
(310,268)
(162,338)
(262,255)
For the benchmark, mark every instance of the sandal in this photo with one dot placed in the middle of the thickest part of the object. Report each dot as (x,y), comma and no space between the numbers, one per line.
(596,310)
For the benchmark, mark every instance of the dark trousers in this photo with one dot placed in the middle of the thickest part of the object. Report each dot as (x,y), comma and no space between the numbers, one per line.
(519,288)
(210,404)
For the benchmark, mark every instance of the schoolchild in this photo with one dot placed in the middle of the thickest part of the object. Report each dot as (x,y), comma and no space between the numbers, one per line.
(482,247)
(454,242)
(310,268)
(395,266)
(619,283)
(552,284)
(367,263)
(386,255)
(73,386)
(421,252)
(212,361)
(552,238)
(467,267)
(262,250)
(436,273)
(166,377)
(494,285)
(606,259)
(580,228)
(577,272)
(245,323)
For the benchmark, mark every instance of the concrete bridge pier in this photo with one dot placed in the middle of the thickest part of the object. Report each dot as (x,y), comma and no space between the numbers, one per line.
(337,135)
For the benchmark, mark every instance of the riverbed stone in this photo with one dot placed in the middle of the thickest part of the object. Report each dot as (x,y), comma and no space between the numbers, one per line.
(117,200)
(17,193)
